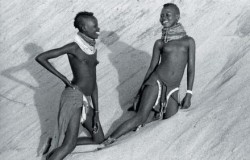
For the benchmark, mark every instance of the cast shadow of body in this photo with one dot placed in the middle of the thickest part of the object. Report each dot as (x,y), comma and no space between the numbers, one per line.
(44,100)
(131,65)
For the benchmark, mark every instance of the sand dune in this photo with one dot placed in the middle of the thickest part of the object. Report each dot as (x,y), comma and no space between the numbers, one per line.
(216,127)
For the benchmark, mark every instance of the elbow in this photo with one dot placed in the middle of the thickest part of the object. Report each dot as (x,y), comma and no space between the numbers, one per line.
(38,58)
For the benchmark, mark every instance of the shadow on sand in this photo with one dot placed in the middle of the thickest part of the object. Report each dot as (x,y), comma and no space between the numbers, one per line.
(131,65)
(44,99)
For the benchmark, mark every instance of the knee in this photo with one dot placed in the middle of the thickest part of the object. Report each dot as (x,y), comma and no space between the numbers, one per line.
(140,119)
(99,139)
(169,115)
(70,146)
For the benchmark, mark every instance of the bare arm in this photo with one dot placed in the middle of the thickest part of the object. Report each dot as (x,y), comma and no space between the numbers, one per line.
(191,65)
(155,58)
(154,62)
(94,97)
(44,57)
(190,73)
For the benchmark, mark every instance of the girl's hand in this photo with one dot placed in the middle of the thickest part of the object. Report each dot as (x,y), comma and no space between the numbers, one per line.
(69,84)
(139,92)
(95,122)
(186,102)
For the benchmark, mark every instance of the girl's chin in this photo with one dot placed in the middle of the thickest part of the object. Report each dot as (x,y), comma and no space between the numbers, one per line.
(94,36)
(168,25)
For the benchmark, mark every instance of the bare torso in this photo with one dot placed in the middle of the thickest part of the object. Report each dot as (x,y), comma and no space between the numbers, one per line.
(174,57)
(84,70)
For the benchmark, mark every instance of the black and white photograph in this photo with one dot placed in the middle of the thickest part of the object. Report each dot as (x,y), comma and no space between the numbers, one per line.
(125,80)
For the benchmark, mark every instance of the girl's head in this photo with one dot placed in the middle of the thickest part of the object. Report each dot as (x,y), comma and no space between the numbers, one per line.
(170,15)
(87,23)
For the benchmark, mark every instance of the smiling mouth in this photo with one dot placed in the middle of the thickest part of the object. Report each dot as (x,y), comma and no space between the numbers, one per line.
(165,22)
(98,33)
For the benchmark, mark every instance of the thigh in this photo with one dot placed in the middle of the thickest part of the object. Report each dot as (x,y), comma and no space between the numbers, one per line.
(88,124)
(73,128)
(148,98)
(172,106)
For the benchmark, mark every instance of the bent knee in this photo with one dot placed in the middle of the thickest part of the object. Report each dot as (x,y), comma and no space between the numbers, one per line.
(70,147)
(140,119)
(169,114)
(99,140)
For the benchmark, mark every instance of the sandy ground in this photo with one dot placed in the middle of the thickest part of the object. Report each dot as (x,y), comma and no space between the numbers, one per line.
(216,127)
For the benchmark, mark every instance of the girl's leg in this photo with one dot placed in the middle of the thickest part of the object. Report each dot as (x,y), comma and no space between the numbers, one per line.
(96,138)
(69,142)
(148,99)
(172,107)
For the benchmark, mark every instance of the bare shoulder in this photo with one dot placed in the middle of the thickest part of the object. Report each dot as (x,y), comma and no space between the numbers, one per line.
(191,45)
(190,40)
(158,43)
(71,47)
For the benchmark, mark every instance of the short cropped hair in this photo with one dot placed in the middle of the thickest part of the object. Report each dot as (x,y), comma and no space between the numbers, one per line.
(172,5)
(79,16)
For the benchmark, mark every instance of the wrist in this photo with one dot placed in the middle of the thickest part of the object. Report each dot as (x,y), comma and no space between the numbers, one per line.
(189,96)
(189,92)
(66,81)
(96,111)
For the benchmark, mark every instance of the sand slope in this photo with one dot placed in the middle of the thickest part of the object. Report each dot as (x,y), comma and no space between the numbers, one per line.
(216,127)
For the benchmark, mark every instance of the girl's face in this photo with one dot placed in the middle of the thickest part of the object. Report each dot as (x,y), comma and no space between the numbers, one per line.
(169,17)
(91,28)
